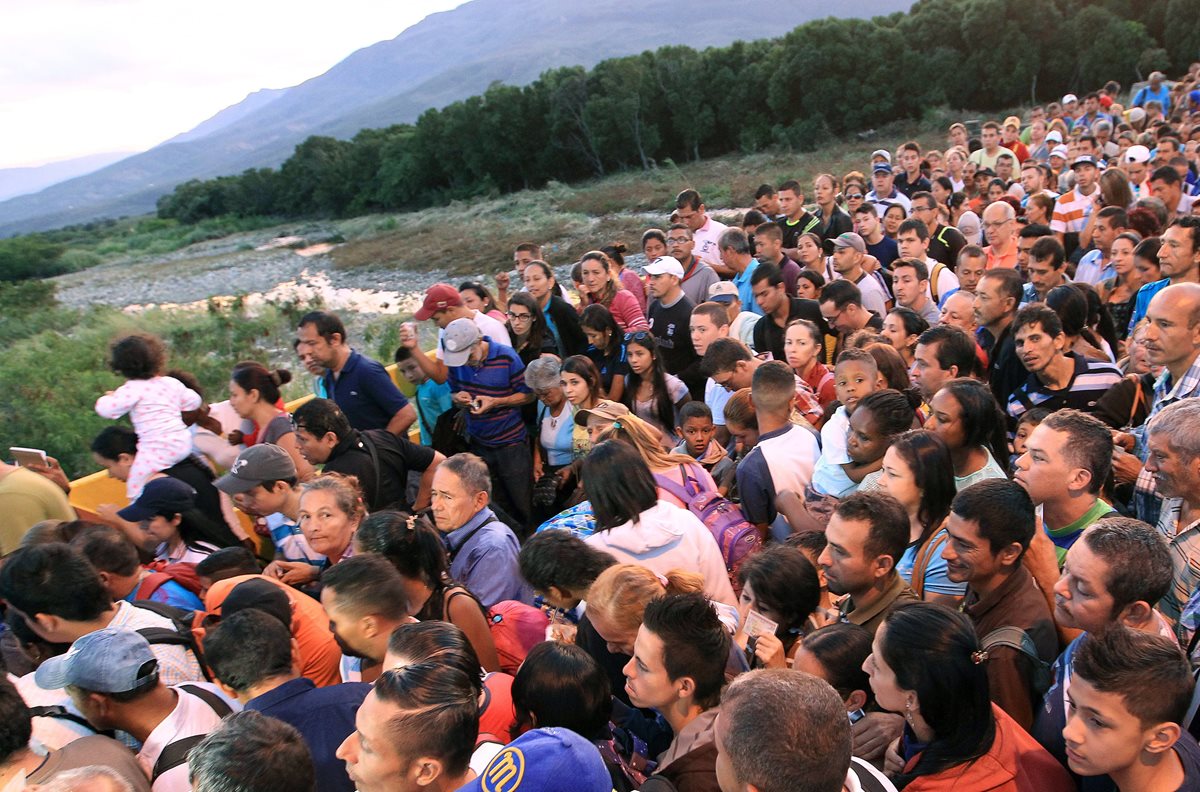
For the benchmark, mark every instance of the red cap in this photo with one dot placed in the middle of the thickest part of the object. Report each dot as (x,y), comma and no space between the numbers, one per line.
(438,297)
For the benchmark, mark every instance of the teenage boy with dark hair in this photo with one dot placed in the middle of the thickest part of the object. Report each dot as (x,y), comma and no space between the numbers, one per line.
(62,598)
(262,481)
(1129,697)
(433,398)
(990,526)
(1113,576)
(251,656)
(115,557)
(678,669)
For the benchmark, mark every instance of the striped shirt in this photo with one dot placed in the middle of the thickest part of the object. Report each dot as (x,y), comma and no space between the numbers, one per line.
(500,375)
(1089,381)
(1072,210)
(1184,542)
(1166,392)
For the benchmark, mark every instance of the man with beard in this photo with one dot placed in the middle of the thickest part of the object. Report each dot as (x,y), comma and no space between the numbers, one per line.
(365,599)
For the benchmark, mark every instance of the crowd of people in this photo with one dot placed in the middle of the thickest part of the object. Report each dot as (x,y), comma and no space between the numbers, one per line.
(893,483)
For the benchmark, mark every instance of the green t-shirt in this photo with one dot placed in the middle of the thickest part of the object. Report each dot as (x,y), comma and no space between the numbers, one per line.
(1064,537)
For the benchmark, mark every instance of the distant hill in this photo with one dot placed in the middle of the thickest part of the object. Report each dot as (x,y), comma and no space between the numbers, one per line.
(445,57)
(22,181)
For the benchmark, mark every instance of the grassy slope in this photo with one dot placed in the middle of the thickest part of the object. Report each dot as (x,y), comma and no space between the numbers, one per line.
(477,236)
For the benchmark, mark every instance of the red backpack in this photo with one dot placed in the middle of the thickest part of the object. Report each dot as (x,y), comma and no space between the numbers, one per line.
(737,537)
(516,628)
(182,572)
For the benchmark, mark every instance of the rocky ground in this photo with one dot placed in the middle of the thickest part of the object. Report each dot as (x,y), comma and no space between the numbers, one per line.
(237,266)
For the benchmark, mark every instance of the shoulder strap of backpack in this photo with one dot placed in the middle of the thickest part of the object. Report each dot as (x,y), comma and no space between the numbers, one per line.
(1013,638)
(150,584)
(174,754)
(62,713)
(921,562)
(215,702)
(369,444)
(933,280)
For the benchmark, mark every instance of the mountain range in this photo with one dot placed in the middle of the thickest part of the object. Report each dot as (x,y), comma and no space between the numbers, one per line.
(445,57)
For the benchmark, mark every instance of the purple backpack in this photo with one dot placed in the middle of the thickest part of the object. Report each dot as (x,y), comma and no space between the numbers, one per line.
(736,537)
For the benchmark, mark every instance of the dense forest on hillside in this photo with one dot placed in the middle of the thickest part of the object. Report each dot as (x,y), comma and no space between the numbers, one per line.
(826,78)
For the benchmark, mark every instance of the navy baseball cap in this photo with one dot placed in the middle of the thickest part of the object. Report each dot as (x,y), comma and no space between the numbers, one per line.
(164,495)
(545,760)
(112,660)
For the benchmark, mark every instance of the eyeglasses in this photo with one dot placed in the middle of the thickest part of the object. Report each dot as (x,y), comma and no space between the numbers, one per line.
(524,317)
(678,240)
(640,335)
(922,208)
(997,224)
(854,196)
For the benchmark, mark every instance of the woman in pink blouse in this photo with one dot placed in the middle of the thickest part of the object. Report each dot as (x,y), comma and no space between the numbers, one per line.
(602,286)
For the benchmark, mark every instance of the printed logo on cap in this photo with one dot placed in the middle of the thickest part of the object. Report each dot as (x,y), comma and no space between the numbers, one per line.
(505,772)
(237,466)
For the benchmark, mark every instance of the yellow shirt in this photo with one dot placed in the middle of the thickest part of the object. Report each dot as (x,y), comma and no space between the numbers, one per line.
(27,498)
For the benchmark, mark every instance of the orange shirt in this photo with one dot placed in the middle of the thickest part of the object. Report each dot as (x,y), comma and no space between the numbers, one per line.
(1007,261)
(319,653)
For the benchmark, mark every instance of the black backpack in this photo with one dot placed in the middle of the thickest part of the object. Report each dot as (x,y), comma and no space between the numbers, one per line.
(176,753)
(180,634)
(1018,639)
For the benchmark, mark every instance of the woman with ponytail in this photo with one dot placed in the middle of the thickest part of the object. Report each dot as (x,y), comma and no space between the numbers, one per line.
(416,550)
(254,395)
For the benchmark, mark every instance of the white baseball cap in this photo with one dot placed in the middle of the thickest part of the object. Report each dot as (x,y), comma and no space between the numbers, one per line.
(665,265)
(1070,98)
(1136,154)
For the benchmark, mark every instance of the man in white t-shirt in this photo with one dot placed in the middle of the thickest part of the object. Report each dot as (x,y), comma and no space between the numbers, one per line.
(709,322)
(62,598)
(849,254)
(113,680)
(913,240)
(706,232)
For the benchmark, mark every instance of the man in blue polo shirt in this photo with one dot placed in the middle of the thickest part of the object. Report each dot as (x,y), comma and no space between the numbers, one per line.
(359,385)
(250,654)
(488,378)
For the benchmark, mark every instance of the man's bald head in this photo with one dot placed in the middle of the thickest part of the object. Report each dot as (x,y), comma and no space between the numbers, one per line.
(1180,299)
(958,310)
(999,210)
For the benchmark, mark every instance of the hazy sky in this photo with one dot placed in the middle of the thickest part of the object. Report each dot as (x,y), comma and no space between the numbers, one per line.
(86,76)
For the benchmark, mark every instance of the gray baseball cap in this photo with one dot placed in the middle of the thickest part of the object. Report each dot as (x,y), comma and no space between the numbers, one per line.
(112,660)
(850,240)
(259,463)
(457,340)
